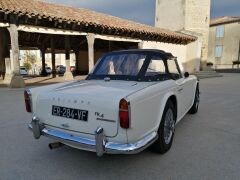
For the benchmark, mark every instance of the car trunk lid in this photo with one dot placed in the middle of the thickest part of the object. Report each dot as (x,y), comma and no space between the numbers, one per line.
(98,98)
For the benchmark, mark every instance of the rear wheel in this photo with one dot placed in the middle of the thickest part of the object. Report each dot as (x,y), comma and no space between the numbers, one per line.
(194,108)
(166,130)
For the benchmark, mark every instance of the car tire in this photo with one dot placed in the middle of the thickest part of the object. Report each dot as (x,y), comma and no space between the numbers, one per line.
(194,108)
(163,144)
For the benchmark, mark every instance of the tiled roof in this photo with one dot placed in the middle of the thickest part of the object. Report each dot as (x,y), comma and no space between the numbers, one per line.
(224,20)
(85,18)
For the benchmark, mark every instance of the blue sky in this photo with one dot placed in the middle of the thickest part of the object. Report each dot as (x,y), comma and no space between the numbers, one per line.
(143,11)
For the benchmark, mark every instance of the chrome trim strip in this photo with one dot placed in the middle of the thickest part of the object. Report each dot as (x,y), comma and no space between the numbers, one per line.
(107,120)
(99,144)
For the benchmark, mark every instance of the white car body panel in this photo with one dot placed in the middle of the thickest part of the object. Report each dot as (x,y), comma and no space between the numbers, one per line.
(147,106)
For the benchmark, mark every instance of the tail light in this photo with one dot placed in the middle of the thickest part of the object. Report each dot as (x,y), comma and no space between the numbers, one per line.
(124,114)
(28,100)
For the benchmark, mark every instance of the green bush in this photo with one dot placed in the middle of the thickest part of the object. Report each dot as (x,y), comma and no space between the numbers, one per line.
(29,60)
(27,65)
(236,62)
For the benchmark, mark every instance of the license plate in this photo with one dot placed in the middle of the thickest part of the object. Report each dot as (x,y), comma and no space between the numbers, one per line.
(70,113)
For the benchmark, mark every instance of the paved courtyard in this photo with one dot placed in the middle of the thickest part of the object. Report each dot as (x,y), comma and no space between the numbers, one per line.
(42,81)
(206,145)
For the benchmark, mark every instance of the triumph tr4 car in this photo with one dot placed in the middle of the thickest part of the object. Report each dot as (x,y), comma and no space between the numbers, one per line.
(131,100)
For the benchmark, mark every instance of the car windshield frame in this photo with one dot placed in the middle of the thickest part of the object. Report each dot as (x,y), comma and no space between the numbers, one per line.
(141,74)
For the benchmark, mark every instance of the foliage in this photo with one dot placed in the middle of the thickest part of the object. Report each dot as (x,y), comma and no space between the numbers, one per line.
(209,64)
(29,59)
(27,65)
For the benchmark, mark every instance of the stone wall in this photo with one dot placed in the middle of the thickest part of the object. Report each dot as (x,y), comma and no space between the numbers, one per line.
(197,20)
(188,55)
(186,15)
(170,14)
(177,50)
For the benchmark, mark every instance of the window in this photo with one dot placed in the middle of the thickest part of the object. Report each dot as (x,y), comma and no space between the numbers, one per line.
(220,31)
(156,67)
(123,64)
(218,51)
(173,69)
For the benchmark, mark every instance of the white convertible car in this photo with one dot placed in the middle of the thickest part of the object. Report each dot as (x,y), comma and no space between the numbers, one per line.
(131,100)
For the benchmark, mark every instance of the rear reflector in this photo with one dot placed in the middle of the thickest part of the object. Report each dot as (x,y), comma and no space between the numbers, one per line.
(124,114)
(28,99)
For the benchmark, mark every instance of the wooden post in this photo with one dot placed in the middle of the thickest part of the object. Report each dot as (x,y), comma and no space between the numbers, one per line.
(68,74)
(43,51)
(77,52)
(53,57)
(2,44)
(90,39)
(16,79)
(8,71)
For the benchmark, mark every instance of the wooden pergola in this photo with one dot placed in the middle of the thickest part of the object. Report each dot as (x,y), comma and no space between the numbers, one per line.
(50,28)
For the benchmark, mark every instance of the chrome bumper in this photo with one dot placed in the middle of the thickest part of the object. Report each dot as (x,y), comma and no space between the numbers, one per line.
(100,145)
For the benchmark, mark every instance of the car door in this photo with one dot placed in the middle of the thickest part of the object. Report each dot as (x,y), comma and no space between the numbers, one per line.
(182,87)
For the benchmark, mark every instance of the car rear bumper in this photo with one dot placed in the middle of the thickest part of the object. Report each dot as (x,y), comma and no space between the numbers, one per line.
(99,145)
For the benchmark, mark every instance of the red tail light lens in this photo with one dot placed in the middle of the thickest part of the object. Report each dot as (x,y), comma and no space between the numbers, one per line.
(124,114)
(28,99)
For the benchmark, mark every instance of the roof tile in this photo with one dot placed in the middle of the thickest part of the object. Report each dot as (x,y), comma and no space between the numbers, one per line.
(85,16)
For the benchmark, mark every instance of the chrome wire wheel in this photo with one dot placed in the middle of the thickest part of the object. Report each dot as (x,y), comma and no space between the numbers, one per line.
(169,126)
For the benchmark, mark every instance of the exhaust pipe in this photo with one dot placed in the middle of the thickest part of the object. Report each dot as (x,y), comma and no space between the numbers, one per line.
(55,145)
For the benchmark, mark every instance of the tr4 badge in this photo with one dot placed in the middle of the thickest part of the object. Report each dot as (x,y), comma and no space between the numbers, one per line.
(99,115)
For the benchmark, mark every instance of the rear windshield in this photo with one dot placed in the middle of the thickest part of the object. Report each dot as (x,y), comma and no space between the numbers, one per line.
(132,66)
(125,64)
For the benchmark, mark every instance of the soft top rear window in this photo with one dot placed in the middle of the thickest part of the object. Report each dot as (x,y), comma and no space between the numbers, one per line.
(131,66)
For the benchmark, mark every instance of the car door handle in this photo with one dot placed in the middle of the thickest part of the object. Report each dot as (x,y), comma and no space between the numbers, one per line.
(180,89)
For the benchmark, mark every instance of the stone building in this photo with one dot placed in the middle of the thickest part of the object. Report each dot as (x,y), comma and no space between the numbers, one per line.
(188,17)
(32,24)
(224,42)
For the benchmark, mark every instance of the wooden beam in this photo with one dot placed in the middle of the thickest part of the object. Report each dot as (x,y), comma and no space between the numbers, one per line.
(5,17)
(67,47)
(36,21)
(55,23)
(77,53)
(4,24)
(114,38)
(43,51)
(44,30)
(26,19)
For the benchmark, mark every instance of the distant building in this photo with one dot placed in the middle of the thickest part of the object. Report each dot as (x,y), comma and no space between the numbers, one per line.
(188,17)
(224,42)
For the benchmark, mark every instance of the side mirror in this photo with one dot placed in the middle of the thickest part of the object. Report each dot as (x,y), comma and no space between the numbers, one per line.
(186,74)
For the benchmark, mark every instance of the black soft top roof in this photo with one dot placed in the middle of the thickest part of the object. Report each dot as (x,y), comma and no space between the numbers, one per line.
(147,51)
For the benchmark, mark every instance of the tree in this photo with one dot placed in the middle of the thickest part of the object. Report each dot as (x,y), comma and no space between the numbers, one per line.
(29,60)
